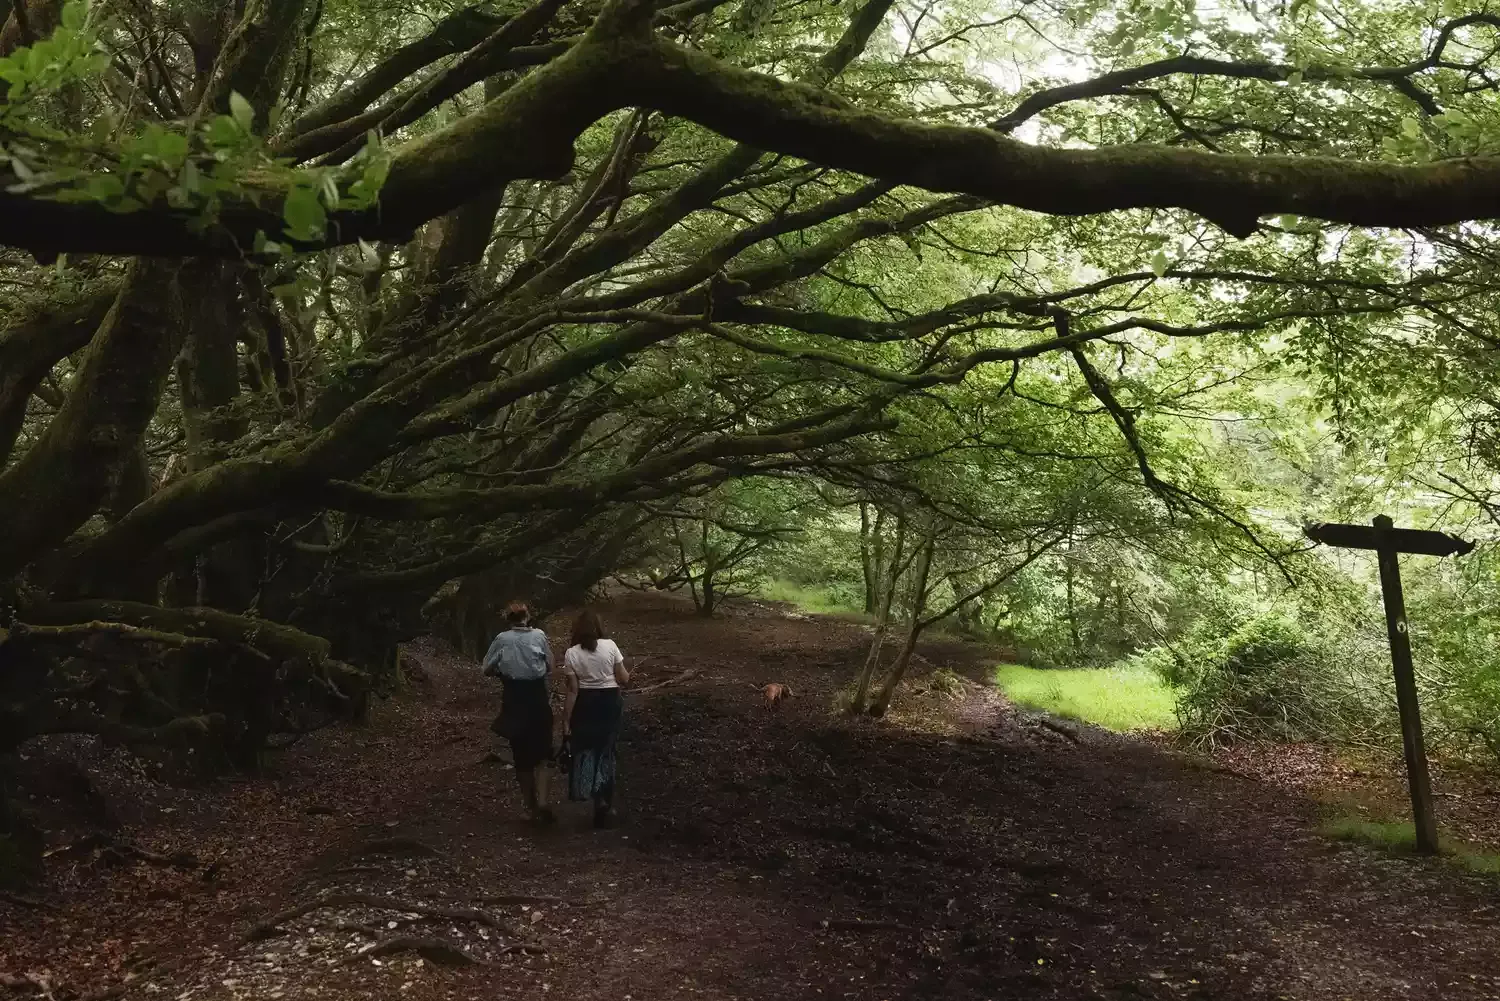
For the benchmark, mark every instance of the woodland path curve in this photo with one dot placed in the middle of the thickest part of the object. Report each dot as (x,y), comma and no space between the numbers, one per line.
(953,851)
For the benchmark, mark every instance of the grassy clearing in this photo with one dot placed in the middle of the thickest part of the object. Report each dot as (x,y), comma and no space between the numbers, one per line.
(1391,836)
(1120,699)
(1400,838)
(812,600)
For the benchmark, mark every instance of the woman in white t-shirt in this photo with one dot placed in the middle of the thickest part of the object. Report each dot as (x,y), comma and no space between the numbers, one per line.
(595,671)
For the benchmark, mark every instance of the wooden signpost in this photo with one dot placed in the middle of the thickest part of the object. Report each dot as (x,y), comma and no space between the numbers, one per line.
(1387,541)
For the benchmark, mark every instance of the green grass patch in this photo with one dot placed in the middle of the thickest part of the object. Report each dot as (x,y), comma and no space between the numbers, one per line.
(1399,837)
(1392,836)
(813,600)
(1116,698)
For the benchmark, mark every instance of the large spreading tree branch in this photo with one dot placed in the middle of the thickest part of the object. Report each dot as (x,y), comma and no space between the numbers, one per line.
(529,130)
(595,493)
(31,349)
(65,475)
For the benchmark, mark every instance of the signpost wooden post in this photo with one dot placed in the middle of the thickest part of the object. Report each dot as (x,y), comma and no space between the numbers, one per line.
(1388,541)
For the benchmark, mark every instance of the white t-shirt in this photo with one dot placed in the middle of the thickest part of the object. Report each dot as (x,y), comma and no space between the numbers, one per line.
(594,668)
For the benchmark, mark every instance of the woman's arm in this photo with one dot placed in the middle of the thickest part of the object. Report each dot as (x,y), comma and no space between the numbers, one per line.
(491,660)
(622,676)
(572,681)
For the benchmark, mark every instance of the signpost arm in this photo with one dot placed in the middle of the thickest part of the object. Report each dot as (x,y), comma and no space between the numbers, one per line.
(1406,691)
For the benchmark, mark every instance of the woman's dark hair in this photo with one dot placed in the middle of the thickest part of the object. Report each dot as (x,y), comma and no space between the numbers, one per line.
(517,613)
(588,629)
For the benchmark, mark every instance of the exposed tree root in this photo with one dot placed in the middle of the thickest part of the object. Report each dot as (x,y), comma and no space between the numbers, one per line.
(30,903)
(110,848)
(27,982)
(399,846)
(270,926)
(434,950)
(505,899)
(1059,728)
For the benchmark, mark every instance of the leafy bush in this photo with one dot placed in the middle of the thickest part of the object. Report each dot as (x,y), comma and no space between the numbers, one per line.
(1266,643)
(1279,677)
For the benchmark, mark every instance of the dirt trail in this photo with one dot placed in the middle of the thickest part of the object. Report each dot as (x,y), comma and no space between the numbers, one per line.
(953,852)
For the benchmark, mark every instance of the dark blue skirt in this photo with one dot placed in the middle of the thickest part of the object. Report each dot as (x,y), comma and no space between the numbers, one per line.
(595,729)
(526,722)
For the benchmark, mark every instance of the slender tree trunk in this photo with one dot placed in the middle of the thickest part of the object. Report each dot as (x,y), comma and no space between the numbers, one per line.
(871,553)
(914,630)
(882,622)
(208,379)
(710,572)
(687,565)
(1068,577)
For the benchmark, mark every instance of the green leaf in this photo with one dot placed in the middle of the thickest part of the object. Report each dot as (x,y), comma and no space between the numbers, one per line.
(1295,77)
(1159,264)
(1411,128)
(329,189)
(240,111)
(304,214)
(73,15)
(1298,6)
(223,133)
(364,191)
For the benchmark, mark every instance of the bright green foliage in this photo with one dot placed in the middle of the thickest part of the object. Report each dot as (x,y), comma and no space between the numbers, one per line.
(1121,698)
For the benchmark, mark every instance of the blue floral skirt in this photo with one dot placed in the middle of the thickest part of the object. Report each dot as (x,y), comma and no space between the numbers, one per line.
(595,729)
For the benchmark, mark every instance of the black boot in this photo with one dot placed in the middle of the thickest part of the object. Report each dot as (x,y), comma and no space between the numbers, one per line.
(604,814)
(527,781)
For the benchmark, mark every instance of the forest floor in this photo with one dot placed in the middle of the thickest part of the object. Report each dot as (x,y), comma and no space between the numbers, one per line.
(958,849)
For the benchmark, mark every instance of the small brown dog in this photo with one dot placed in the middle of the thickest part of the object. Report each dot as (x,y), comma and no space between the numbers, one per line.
(775,693)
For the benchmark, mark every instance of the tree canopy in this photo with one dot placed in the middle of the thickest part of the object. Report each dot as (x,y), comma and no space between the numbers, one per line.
(330,322)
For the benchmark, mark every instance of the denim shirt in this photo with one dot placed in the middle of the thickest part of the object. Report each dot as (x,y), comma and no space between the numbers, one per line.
(518,655)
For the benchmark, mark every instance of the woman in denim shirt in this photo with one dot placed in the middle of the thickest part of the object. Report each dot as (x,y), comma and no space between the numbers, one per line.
(521,658)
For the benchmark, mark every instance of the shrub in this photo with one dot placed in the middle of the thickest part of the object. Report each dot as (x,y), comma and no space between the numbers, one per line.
(1284,678)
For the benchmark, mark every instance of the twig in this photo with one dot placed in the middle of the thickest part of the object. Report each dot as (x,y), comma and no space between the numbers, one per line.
(855,924)
(369,931)
(691,672)
(524,949)
(504,899)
